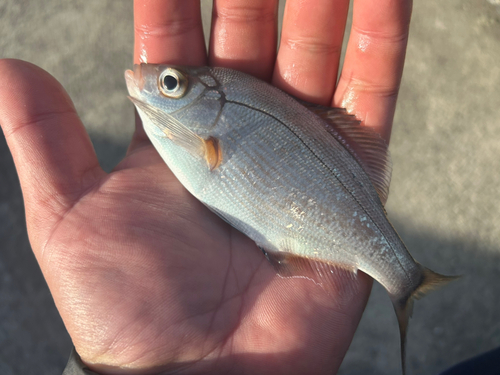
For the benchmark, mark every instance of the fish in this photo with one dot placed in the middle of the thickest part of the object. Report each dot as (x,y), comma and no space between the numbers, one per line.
(307,183)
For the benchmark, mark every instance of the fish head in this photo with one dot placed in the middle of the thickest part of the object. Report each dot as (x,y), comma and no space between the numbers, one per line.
(178,107)
(189,94)
(165,86)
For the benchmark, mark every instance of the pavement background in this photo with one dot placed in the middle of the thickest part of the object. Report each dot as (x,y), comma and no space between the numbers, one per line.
(444,193)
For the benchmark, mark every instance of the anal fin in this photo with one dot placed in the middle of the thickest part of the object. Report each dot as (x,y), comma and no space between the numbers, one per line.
(329,276)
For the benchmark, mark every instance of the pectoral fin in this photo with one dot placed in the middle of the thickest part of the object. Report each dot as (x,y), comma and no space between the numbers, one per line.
(208,149)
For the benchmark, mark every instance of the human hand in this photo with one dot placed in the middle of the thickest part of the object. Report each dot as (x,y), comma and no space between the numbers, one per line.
(148,280)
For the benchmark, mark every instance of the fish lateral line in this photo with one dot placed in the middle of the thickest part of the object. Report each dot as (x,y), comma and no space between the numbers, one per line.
(303,143)
(332,173)
(211,152)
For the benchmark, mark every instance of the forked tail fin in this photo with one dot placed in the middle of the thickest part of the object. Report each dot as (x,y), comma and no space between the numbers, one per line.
(404,306)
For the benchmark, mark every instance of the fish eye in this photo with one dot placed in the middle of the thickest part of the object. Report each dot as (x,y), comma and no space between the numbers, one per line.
(172,83)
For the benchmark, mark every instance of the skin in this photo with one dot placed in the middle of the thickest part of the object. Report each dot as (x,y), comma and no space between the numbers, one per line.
(146,279)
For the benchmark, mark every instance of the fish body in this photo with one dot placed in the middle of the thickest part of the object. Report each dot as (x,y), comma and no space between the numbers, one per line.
(287,174)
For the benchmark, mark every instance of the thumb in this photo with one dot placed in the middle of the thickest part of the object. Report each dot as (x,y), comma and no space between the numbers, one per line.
(52,151)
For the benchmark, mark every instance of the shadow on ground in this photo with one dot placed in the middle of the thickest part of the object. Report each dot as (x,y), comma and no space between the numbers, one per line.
(33,339)
(444,203)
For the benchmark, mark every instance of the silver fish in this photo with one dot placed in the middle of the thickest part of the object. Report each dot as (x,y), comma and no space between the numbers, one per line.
(305,182)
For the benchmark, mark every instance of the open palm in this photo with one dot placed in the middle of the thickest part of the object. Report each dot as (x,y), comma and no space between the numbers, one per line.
(148,280)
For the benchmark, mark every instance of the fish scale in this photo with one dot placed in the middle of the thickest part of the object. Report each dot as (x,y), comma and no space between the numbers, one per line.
(285,173)
(259,189)
(326,184)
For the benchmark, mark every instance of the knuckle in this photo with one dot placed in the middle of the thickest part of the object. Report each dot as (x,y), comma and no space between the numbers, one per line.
(168,28)
(374,88)
(383,37)
(312,45)
(246,13)
(40,120)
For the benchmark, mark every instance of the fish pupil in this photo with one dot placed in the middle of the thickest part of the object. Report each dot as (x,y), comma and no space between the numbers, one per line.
(170,82)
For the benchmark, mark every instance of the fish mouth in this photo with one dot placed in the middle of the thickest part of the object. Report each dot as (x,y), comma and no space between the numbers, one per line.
(135,80)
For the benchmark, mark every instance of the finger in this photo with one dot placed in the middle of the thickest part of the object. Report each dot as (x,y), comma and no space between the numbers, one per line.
(339,307)
(54,157)
(244,36)
(369,84)
(311,43)
(166,32)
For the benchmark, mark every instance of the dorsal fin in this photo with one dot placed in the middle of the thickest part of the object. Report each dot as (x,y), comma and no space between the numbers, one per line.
(364,144)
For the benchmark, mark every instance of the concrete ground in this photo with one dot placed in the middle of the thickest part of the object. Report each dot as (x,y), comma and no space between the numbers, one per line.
(444,193)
